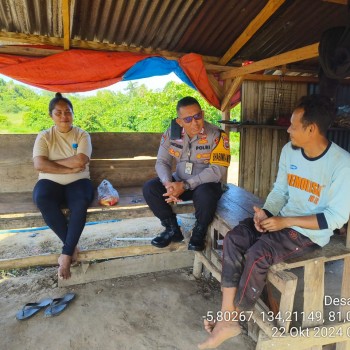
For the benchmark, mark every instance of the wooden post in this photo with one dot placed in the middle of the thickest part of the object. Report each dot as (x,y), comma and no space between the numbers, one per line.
(197,266)
(348,235)
(345,293)
(313,292)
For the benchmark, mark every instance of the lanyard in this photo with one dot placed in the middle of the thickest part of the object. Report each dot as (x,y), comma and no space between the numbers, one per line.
(189,151)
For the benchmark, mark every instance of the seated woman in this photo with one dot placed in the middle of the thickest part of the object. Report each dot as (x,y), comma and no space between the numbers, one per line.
(61,154)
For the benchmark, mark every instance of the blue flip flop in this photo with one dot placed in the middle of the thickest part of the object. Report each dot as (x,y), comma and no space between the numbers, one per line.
(58,305)
(31,309)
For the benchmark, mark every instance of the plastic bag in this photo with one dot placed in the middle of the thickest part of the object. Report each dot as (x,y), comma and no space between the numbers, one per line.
(107,194)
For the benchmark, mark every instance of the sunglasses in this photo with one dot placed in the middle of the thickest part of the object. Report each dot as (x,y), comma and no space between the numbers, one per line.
(189,119)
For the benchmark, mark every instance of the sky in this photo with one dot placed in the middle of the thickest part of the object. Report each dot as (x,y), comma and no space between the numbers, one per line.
(153,83)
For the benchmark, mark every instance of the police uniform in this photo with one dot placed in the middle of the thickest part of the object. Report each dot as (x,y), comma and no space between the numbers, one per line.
(201,161)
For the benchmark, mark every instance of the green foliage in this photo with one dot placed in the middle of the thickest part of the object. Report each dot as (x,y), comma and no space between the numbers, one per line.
(4,120)
(139,109)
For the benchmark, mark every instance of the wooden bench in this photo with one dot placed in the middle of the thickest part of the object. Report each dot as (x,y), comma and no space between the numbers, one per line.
(127,160)
(237,204)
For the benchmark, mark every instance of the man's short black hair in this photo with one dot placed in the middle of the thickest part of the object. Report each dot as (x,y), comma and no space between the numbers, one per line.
(319,110)
(187,101)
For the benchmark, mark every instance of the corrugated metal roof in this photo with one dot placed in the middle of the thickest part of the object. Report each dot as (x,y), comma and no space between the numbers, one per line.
(207,27)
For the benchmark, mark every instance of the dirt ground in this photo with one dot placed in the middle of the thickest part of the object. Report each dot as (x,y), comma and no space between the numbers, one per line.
(155,311)
(152,311)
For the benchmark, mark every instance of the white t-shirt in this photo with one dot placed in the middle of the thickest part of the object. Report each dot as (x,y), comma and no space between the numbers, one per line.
(56,145)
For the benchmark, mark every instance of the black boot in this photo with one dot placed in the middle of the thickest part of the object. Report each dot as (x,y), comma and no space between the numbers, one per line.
(197,241)
(172,233)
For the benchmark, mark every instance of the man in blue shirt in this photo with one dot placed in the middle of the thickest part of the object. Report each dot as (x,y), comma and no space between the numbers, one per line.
(309,200)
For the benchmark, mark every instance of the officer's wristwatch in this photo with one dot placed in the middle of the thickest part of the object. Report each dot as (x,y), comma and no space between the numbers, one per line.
(186,186)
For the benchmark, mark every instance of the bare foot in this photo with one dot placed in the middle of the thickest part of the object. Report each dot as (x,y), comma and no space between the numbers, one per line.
(64,262)
(75,254)
(209,325)
(219,332)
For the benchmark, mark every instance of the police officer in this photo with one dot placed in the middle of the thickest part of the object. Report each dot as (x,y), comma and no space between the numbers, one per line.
(202,154)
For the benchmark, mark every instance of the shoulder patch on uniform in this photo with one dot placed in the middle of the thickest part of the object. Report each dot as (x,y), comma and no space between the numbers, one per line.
(221,153)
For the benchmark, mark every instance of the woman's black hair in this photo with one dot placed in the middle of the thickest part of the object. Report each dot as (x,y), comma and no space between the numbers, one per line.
(58,97)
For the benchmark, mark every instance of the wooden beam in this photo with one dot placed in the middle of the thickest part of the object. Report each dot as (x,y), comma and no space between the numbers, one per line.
(340,2)
(285,78)
(30,39)
(270,8)
(92,45)
(215,68)
(218,89)
(129,266)
(89,255)
(309,341)
(230,92)
(301,54)
(27,51)
(66,23)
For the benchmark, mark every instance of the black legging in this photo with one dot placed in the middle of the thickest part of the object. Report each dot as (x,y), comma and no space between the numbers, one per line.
(49,196)
(205,199)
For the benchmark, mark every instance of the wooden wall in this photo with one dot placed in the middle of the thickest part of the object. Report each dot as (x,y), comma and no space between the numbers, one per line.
(125,159)
(259,156)
(261,141)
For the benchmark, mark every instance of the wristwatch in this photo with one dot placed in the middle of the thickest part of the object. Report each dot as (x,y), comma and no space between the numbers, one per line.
(186,186)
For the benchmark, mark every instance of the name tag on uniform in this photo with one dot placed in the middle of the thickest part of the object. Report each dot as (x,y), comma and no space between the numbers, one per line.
(188,168)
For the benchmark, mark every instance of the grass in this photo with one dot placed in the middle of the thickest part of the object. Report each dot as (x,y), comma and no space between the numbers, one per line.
(14,125)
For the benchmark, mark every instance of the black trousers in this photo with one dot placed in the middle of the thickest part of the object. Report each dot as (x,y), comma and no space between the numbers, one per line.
(248,254)
(205,199)
(49,196)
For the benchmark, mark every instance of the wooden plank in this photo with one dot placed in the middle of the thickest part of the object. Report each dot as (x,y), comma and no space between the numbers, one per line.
(345,345)
(334,250)
(122,173)
(197,266)
(270,8)
(286,78)
(348,236)
(106,145)
(124,145)
(345,288)
(225,103)
(287,284)
(303,53)
(250,149)
(18,146)
(275,153)
(258,160)
(93,45)
(28,51)
(128,267)
(17,210)
(66,23)
(261,318)
(17,221)
(340,2)
(216,86)
(236,204)
(310,339)
(90,255)
(265,152)
(313,281)
(209,265)
(18,174)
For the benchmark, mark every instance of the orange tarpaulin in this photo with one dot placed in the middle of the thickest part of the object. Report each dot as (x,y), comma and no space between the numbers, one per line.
(84,70)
